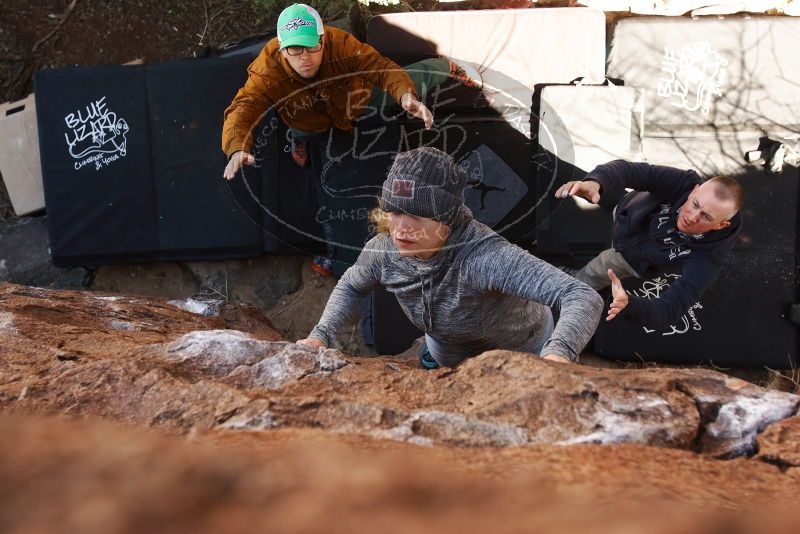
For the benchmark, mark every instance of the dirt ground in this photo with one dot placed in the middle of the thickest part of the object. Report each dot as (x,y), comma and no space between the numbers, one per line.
(44,34)
(58,473)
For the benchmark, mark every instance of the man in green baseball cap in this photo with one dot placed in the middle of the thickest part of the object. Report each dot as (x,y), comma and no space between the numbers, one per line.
(319,77)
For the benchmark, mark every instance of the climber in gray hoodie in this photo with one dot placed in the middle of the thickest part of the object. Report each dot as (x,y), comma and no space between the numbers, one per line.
(466,287)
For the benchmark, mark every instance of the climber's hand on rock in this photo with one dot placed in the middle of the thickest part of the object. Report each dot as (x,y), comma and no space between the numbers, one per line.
(312,342)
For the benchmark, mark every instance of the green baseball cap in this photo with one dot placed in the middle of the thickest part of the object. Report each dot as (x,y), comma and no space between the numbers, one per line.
(299,25)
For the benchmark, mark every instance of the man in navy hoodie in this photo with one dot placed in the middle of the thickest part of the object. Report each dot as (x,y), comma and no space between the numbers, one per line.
(671,219)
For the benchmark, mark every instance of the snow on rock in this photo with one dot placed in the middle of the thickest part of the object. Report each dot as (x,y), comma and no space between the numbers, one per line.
(741,419)
(207,307)
(218,352)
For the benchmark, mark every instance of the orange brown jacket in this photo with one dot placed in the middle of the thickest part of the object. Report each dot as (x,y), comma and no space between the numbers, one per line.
(332,99)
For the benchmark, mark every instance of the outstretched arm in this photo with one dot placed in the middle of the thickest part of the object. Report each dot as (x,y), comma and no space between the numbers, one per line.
(246,110)
(507,268)
(697,275)
(379,70)
(356,282)
(658,179)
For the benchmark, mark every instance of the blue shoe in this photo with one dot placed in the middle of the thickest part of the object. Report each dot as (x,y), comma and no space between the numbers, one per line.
(425,358)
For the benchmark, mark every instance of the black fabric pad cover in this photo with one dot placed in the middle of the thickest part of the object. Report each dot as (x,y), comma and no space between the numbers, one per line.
(163,197)
(96,213)
(562,227)
(197,215)
(515,150)
(743,318)
(289,200)
(352,167)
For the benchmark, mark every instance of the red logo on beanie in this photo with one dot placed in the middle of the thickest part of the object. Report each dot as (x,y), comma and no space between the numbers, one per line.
(402,188)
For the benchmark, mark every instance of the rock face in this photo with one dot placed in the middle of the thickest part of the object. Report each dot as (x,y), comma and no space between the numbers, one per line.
(263,431)
(283,287)
(154,363)
(780,443)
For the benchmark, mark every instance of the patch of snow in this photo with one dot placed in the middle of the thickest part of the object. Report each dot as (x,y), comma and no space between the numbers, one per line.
(261,421)
(291,363)
(265,364)
(402,432)
(7,323)
(331,360)
(208,308)
(624,423)
(218,351)
(742,419)
(116,324)
(445,427)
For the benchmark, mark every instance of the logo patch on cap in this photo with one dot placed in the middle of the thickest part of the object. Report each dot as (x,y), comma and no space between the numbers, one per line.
(295,24)
(402,188)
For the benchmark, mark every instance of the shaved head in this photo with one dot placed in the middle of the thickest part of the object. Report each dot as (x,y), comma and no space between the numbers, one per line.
(728,190)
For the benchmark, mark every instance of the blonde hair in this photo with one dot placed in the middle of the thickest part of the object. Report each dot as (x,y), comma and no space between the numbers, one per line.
(379,220)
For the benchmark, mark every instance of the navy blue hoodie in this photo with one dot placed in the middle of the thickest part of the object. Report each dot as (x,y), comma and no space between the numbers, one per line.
(645,233)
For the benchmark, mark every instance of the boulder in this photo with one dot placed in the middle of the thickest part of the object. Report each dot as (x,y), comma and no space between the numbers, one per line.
(153,362)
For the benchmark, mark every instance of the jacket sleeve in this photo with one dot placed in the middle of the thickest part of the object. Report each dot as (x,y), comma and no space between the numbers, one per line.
(377,69)
(508,268)
(357,281)
(247,108)
(697,274)
(657,179)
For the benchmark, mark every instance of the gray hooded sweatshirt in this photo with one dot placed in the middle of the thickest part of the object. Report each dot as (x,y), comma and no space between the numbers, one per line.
(478,293)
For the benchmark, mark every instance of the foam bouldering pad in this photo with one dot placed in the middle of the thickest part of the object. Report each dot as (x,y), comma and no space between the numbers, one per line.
(493,188)
(721,74)
(131,164)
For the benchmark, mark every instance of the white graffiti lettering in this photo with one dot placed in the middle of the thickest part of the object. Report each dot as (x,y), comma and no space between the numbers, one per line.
(677,252)
(694,75)
(93,132)
(653,289)
(326,215)
(693,316)
(678,330)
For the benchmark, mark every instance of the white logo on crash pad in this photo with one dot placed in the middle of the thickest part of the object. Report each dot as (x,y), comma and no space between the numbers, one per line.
(652,289)
(96,135)
(693,76)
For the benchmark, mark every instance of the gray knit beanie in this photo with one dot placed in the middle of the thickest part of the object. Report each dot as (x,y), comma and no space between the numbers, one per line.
(425,182)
